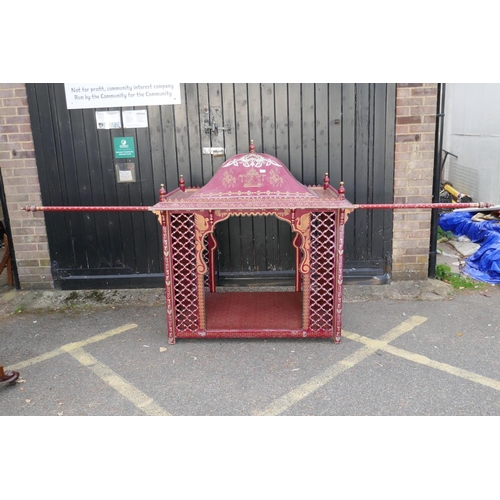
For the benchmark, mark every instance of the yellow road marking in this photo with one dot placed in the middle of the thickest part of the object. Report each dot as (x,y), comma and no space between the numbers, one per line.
(134,395)
(299,393)
(73,345)
(424,360)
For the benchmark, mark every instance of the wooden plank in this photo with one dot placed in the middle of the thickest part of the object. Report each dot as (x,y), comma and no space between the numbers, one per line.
(171,172)
(64,144)
(335,133)
(255,122)
(194,134)
(150,195)
(114,228)
(349,163)
(378,180)
(218,140)
(182,139)
(321,132)
(88,238)
(282,130)
(284,233)
(308,134)
(140,195)
(390,103)
(295,130)
(48,168)
(362,167)
(269,146)
(239,228)
(100,221)
(223,229)
(206,138)
(229,118)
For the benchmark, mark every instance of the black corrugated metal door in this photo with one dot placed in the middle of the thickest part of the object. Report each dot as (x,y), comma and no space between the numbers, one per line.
(344,129)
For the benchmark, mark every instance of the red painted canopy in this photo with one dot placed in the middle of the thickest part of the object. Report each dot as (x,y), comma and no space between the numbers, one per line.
(253,181)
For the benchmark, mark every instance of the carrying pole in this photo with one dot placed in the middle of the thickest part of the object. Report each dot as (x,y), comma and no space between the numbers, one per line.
(395,206)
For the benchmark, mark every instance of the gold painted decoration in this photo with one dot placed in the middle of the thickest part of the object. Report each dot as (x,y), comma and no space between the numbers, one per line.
(158,214)
(303,226)
(275,178)
(252,178)
(228,179)
(201,227)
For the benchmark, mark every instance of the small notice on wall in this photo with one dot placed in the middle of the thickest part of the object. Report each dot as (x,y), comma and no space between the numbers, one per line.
(107,95)
(124,147)
(108,119)
(125,172)
(137,118)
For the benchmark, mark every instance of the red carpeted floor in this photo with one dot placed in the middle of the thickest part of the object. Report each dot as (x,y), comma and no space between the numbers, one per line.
(254,310)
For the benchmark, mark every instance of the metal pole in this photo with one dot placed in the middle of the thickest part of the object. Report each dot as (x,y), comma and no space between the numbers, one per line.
(437,179)
(394,206)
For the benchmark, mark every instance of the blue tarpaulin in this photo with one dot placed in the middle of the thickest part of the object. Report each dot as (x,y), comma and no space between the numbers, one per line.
(484,264)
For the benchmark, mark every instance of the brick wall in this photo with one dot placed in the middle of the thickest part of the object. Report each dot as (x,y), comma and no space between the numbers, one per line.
(413,177)
(21,185)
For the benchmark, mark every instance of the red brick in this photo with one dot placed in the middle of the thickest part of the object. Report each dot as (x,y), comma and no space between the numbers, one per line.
(409,101)
(20,137)
(6,93)
(424,127)
(8,146)
(424,91)
(19,101)
(11,85)
(8,111)
(17,119)
(408,138)
(10,164)
(423,110)
(403,92)
(405,120)
(15,181)
(25,154)
(9,129)
(25,128)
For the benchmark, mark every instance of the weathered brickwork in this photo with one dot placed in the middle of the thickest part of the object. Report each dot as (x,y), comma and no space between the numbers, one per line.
(413,177)
(21,185)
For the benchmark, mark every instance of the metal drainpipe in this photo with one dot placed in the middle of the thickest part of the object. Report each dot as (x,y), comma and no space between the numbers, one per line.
(437,178)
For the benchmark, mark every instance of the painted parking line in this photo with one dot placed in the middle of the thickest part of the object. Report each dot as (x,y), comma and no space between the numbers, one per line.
(140,400)
(294,396)
(74,345)
(424,360)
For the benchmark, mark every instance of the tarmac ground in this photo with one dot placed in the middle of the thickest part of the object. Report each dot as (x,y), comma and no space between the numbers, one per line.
(408,348)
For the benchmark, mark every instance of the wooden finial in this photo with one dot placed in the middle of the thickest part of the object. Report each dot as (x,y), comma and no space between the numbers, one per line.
(326,181)
(341,191)
(162,193)
(182,183)
(252,147)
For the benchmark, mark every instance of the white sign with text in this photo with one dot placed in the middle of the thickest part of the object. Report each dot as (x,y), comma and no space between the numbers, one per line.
(115,95)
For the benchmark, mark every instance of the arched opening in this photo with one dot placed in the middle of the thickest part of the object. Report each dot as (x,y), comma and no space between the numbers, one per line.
(253,303)
(254,251)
